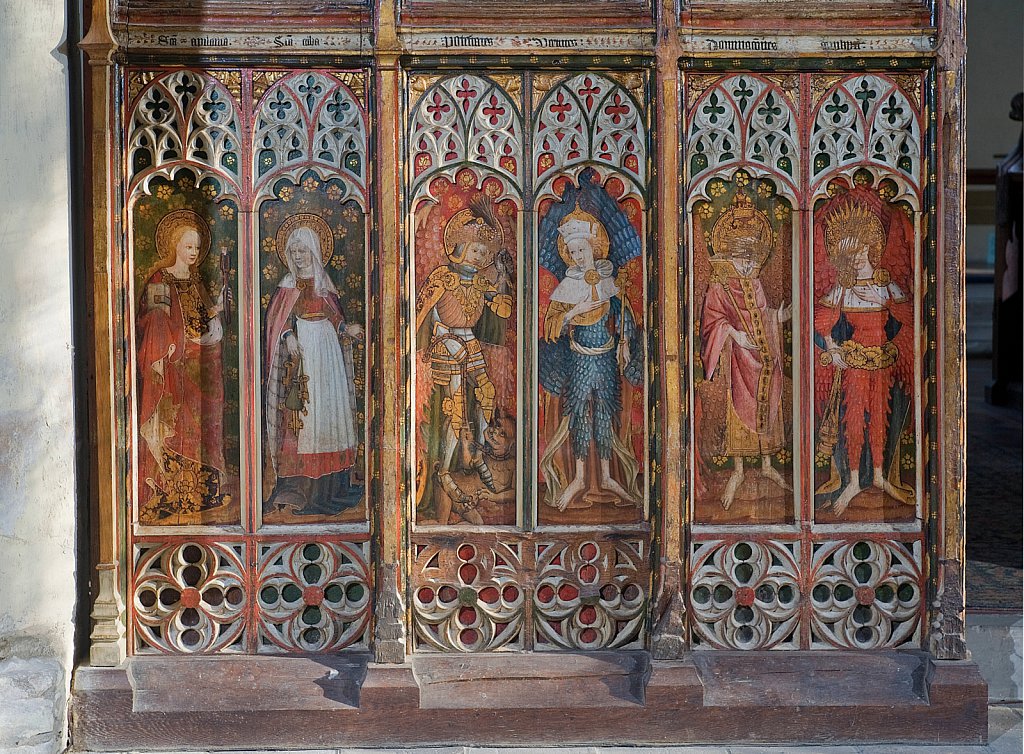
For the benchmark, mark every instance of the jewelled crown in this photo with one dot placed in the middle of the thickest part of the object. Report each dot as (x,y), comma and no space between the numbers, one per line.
(743,231)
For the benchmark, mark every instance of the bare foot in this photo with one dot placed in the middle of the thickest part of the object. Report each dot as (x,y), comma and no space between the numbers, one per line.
(609,484)
(574,488)
(843,501)
(771,473)
(903,496)
(732,488)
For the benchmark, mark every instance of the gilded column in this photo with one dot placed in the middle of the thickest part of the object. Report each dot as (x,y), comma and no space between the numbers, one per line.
(389,630)
(668,639)
(108,634)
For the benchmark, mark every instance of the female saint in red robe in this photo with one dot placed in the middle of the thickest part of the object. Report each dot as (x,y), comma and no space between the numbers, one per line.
(181,382)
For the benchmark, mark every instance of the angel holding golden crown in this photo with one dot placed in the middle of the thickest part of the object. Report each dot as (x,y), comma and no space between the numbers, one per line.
(590,342)
(461,304)
(311,404)
(741,340)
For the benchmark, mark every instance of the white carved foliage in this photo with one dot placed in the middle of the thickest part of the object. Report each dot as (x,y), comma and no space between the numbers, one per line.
(590,595)
(865,595)
(866,119)
(466,119)
(745,595)
(310,117)
(895,136)
(184,115)
(313,596)
(743,120)
(340,134)
(589,118)
(189,598)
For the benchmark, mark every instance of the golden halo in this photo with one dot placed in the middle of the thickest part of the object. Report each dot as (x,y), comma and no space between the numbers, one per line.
(306,220)
(456,228)
(854,220)
(599,243)
(169,226)
(741,220)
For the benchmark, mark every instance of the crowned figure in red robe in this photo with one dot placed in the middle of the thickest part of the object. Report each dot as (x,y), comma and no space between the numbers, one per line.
(741,341)
(864,324)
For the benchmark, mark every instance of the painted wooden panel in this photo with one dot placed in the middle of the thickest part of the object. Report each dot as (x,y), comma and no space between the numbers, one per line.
(590,154)
(530,359)
(805,232)
(744,161)
(145,11)
(812,15)
(466,140)
(560,14)
(248,204)
(866,152)
(310,168)
(183,147)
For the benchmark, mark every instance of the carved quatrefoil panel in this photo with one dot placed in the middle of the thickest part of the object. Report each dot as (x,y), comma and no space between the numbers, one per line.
(745,595)
(865,594)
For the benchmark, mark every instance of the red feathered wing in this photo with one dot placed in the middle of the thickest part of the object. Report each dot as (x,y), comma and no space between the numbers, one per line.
(897,259)
(430,254)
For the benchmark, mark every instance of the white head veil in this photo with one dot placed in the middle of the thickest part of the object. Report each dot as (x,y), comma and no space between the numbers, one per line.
(322,283)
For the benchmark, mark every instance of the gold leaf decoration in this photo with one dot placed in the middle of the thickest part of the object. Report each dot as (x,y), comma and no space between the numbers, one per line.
(232,81)
(910,85)
(356,81)
(419,83)
(263,80)
(512,83)
(821,84)
(697,84)
(631,81)
(789,83)
(544,83)
(137,81)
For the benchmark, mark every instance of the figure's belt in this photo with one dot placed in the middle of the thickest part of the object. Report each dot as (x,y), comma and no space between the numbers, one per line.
(869,358)
(595,351)
(468,355)
(313,317)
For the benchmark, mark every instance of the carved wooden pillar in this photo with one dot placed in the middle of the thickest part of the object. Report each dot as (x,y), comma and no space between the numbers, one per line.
(108,634)
(947,627)
(389,632)
(668,631)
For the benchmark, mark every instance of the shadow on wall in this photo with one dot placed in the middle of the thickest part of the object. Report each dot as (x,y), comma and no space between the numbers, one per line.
(37,431)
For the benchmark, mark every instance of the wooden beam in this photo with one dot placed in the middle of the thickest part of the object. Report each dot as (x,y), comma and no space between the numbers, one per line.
(108,635)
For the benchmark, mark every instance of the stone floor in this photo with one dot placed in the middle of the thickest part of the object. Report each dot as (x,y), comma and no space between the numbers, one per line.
(995,487)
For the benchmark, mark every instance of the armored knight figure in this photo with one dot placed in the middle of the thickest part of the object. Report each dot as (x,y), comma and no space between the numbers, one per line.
(461,303)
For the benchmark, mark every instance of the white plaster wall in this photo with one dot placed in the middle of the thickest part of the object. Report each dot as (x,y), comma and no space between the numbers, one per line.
(37,522)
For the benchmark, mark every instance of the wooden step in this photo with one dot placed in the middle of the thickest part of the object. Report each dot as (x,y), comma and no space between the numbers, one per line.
(537,680)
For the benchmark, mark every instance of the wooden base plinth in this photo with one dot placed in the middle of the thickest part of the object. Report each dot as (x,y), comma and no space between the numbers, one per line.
(614,698)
